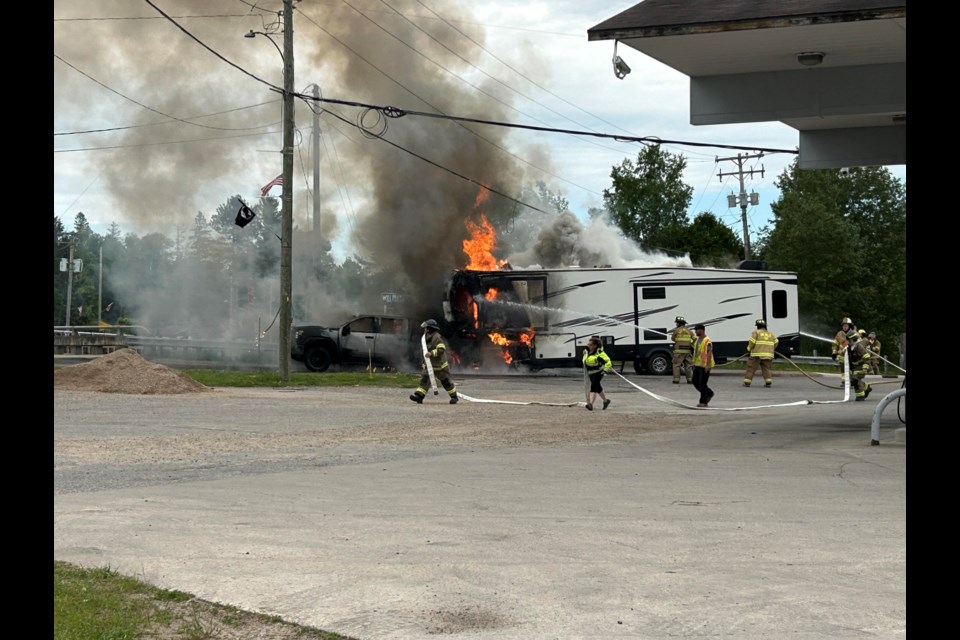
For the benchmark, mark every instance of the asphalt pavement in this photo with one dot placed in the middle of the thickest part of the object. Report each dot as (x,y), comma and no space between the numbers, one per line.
(357,511)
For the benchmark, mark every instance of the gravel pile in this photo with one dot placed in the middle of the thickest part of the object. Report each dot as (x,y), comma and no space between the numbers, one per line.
(125,371)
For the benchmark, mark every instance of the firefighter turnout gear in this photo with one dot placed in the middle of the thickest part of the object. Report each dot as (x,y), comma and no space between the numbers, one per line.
(761,346)
(874,345)
(682,351)
(840,343)
(860,356)
(436,353)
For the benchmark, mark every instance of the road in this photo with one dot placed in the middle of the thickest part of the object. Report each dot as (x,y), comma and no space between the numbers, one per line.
(357,511)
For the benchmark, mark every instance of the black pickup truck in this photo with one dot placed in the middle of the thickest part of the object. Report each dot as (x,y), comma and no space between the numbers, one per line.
(382,340)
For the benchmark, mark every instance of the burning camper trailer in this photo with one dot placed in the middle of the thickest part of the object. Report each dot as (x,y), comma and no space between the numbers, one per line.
(544,317)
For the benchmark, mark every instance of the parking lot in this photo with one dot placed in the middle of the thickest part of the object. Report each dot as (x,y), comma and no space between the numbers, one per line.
(357,511)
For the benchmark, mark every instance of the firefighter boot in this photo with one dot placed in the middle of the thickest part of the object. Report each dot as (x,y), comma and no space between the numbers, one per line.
(866,392)
(416,397)
(454,399)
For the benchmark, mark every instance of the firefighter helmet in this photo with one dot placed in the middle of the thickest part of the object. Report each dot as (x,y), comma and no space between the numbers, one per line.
(430,324)
(852,335)
(846,320)
(761,322)
(863,334)
(873,334)
(680,320)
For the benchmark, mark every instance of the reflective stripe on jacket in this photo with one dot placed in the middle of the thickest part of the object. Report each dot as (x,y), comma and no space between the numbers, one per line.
(438,352)
(700,353)
(682,340)
(762,344)
(596,361)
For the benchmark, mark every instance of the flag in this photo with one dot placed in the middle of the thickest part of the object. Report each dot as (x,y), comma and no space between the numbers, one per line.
(266,188)
(244,216)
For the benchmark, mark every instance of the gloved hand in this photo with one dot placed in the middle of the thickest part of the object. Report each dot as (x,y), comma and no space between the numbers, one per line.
(834,357)
(426,354)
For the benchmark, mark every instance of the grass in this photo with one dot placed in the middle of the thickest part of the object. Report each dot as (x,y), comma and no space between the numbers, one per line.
(100,604)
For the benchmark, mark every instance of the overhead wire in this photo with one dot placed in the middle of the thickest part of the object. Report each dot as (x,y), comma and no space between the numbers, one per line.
(437,109)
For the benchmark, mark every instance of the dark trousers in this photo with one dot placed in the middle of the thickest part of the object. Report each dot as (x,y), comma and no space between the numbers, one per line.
(700,378)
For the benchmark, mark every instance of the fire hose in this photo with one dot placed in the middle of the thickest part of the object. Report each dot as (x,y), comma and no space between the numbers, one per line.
(426,359)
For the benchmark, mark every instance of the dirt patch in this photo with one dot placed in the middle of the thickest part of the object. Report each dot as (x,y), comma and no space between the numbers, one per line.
(125,371)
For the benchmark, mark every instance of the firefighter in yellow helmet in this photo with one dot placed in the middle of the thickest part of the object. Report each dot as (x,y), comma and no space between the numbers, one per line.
(761,346)
(682,350)
(840,342)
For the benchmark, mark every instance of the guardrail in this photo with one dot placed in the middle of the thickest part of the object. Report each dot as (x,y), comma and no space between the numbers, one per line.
(101,340)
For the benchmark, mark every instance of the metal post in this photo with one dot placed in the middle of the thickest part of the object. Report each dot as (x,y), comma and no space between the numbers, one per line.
(286,226)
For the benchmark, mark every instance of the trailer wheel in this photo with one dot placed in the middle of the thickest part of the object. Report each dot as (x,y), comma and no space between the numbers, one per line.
(317,359)
(659,364)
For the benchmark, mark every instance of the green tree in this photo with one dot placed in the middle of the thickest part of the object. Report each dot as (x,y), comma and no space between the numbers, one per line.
(711,243)
(845,236)
(648,199)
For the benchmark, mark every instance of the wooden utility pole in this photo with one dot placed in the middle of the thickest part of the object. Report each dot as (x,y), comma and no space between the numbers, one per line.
(754,198)
(286,224)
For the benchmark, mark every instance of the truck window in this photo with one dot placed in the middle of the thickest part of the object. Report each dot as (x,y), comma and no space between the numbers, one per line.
(779,299)
(362,325)
(654,293)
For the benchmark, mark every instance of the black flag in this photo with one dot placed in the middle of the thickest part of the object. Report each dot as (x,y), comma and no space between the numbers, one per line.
(244,216)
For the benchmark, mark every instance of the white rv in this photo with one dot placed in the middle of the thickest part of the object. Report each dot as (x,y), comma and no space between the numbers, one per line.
(543,318)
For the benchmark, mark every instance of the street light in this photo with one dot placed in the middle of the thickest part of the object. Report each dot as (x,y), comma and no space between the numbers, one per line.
(286,214)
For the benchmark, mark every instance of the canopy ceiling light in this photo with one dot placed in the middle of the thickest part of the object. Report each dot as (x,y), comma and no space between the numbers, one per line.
(620,68)
(810,58)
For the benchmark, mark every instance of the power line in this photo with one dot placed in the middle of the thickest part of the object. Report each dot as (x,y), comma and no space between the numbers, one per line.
(394,112)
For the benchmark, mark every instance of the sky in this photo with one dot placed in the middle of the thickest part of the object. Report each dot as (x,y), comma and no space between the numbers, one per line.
(153,127)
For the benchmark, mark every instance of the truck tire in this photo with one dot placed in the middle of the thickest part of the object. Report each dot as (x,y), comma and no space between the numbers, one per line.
(317,359)
(660,364)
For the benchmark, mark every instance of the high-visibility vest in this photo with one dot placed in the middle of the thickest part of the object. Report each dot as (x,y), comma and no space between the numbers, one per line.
(596,361)
(700,353)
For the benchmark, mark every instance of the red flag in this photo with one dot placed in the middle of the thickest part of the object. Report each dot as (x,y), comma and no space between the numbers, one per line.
(271,184)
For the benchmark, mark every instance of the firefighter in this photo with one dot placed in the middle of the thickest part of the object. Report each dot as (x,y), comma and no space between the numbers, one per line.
(682,350)
(436,352)
(860,355)
(596,363)
(761,347)
(874,345)
(840,343)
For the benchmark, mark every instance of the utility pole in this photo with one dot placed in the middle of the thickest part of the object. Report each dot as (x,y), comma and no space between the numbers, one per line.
(100,289)
(316,166)
(742,198)
(69,283)
(286,224)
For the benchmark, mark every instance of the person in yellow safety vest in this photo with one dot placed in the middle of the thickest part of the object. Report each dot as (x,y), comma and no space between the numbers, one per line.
(860,356)
(761,346)
(840,343)
(596,363)
(702,364)
(874,345)
(682,350)
(436,352)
